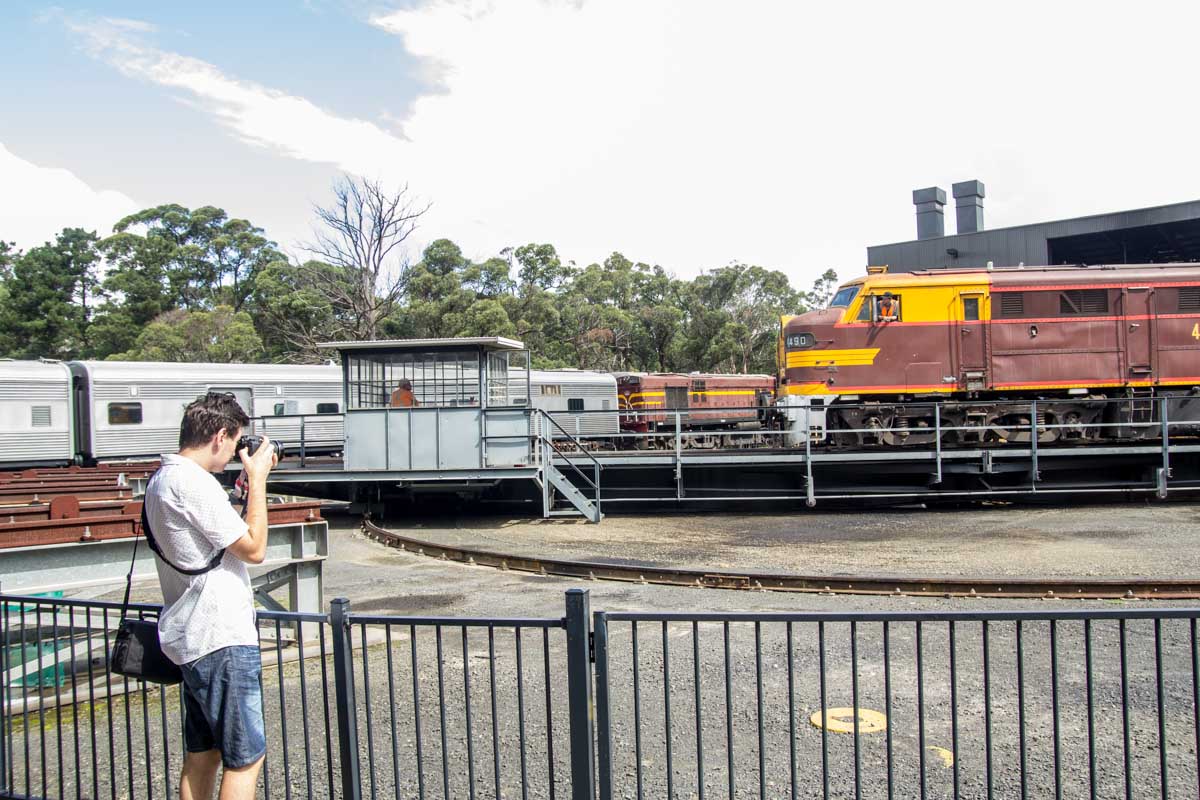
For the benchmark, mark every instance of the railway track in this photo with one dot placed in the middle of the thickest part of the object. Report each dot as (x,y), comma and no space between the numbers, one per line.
(1092,589)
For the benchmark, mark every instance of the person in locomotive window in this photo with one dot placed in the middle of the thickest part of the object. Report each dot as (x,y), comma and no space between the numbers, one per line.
(403,397)
(889,308)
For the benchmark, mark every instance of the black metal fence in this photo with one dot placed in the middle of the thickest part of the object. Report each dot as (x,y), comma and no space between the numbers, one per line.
(1082,703)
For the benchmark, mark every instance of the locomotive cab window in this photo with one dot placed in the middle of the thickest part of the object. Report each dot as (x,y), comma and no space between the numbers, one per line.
(844,297)
(124,413)
(877,308)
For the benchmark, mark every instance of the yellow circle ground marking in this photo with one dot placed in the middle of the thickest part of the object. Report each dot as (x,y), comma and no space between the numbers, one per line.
(944,754)
(841,720)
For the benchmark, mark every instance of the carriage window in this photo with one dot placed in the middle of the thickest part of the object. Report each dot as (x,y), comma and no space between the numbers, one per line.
(279,409)
(124,413)
(970,309)
(574,404)
(1012,304)
(1189,298)
(1083,301)
(327,408)
(551,388)
(39,416)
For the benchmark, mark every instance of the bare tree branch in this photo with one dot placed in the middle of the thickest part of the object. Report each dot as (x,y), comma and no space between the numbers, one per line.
(362,233)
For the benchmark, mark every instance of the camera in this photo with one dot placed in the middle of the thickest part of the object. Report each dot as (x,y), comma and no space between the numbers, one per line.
(251,443)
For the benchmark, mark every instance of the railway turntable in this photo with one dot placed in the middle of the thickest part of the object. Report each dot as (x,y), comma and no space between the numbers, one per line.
(450,421)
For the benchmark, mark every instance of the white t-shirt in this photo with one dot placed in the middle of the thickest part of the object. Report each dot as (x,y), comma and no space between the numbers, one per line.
(192,519)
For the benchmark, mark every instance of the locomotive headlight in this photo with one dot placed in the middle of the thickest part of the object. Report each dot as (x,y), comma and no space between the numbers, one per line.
(801,341)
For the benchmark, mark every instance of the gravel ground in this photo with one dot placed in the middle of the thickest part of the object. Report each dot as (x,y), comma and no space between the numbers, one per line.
(1120,540)
(381,580)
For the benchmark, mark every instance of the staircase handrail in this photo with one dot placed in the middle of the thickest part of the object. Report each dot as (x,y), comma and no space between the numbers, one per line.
(550,440)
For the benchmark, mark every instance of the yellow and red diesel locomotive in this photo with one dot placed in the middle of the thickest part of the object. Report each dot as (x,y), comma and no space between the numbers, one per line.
(1073,338)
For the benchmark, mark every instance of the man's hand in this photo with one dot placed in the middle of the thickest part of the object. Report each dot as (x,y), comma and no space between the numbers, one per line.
(259,464)
(252,547)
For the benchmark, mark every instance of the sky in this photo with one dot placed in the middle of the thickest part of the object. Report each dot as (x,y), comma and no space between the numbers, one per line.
(686,133)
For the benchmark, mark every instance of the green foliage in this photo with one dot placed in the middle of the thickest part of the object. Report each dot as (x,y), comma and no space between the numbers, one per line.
(194,285)
(220,336)
(823,289)
(46,310)
(171,257)
(293,314)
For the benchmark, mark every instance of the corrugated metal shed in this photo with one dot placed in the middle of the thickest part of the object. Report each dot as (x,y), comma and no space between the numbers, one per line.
(1161,234)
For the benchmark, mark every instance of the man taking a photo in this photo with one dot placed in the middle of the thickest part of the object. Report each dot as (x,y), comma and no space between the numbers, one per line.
(207,625)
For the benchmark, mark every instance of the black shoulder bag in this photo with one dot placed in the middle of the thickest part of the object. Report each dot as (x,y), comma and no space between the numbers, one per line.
(136,652)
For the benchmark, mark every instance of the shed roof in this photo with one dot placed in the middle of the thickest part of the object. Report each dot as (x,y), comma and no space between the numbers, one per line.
(486,342)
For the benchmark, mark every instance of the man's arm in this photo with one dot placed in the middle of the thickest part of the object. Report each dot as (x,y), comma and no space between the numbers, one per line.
(252,547)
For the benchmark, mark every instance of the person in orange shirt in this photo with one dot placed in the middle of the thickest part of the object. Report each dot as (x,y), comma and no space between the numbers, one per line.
(889,308)
(403,397)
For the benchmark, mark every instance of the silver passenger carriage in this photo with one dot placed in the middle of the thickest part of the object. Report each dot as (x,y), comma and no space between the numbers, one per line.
(128,409)
(35,414)
(584,403)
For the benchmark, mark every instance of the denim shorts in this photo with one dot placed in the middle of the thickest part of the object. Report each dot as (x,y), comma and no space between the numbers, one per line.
(223,705)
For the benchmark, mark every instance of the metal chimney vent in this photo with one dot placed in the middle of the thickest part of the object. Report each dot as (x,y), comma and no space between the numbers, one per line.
(968,206)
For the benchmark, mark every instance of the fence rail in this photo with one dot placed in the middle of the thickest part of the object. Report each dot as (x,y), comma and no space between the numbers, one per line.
(1031,703)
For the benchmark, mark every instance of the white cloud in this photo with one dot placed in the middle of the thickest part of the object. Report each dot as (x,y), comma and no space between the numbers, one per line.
(690,133)
(256,114)
(38,202)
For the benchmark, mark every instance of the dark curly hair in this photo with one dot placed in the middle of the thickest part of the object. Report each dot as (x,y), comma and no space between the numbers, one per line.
(209,414)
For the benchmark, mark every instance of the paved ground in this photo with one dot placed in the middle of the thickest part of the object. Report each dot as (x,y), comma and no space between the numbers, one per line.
(1121,540)
(506,699)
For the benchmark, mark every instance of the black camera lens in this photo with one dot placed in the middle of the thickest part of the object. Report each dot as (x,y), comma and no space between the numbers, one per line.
(251,443)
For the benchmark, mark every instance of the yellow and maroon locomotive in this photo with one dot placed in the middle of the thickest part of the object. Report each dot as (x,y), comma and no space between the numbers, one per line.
(975,343)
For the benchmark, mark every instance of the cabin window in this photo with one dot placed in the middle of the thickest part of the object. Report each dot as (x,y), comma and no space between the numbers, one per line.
(1083,301)
(124,413)
(39,416)
(1189,298)
(574,404)
(875,302)
(1012,304)
(279,409)
(801,341)
(970,309)
(551,389)
(698,386)
(327,408)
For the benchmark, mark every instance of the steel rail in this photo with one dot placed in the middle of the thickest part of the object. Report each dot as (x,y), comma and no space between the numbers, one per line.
(898,585)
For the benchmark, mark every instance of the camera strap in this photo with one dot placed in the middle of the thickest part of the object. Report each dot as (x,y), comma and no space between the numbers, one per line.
(209,567)
(213,563)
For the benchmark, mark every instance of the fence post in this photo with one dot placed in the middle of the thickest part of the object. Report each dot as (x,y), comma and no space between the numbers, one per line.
(343,690)
(579,694)
(5,724)
(603,721)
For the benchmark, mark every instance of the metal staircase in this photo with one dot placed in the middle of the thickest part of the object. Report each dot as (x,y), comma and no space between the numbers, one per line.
(552,481)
